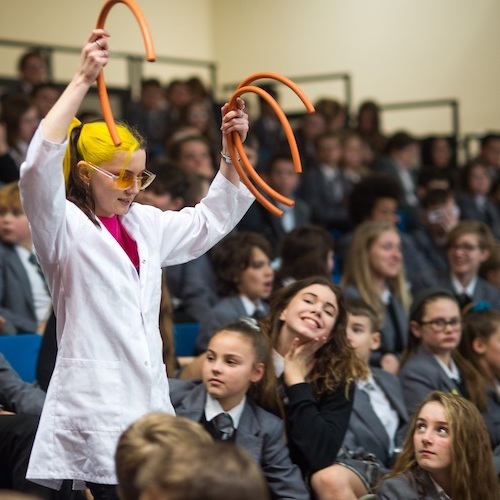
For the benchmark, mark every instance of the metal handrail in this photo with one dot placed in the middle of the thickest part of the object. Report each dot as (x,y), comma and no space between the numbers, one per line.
(132,59)
(346,77)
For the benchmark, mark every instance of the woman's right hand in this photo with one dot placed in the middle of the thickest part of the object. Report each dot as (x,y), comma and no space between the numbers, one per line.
(94,56)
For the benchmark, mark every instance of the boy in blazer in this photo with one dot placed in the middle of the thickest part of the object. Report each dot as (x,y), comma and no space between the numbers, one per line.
(379,420)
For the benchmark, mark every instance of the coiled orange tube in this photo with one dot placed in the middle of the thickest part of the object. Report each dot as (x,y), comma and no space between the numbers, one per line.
(150,56)
(234,144)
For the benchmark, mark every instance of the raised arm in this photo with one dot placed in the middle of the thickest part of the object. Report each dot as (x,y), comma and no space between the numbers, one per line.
(232,121)
(93,58)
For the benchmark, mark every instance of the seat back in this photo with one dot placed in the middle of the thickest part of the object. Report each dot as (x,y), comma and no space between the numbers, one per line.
(21,351)
(185,335)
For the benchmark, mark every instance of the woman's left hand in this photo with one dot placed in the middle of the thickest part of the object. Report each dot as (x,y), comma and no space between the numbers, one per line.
(235,120)
(299,360)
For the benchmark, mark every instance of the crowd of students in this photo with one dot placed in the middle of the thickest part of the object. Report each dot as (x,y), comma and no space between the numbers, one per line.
(349,348)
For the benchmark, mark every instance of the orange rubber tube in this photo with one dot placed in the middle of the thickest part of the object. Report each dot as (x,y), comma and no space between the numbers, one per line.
(242,164)
(150,56)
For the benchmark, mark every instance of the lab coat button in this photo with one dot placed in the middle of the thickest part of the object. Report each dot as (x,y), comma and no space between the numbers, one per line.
(145,363)
(144,261)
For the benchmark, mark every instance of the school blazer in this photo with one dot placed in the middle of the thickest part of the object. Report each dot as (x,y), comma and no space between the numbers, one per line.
(483,291)
(404,487)
(365,433)
(16,297)
(261,433)
(109,369)
(388,342)
(16,394)
(420,375)
(226,310)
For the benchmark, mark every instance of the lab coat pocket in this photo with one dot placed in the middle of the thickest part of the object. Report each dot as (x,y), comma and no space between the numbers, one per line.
(88,395)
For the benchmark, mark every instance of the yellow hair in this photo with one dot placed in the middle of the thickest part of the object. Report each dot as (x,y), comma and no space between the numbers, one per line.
(94,144)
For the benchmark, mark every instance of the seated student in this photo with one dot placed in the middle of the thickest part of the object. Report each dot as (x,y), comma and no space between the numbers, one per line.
(192,154)
(149,433)
(325,187)
(305,251)
(400,159)
(375,273)
(473,199)
(468,245)
(480,345)
(439,215)
(239,386)
(20,407)
(445,455)
(206,472)
(431,360)
(379,419)
(281,176)
(317,369)
(376,198)
(490,268)
(244,280)
(25,301)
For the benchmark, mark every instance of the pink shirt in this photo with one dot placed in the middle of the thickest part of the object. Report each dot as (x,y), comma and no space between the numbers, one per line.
(115,227)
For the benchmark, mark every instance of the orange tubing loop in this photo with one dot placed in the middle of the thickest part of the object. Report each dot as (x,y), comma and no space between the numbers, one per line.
(150,56)
(234,141)
(289,134)
(243,177)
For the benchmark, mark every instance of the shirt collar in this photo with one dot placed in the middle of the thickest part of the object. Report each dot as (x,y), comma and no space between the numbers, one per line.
(213,408)
(279,363)
(249,306)
(451,371)
(469,289)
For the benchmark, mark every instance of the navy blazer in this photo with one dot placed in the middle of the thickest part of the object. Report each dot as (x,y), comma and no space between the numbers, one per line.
(227,310)
(261,433)
(405,487)
(317,192)
(422,374)
(192,288)
(260,220)
(483,291)
(16,297)
(365,433)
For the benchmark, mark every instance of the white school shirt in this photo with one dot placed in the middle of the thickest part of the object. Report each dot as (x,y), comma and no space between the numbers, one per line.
(109,369)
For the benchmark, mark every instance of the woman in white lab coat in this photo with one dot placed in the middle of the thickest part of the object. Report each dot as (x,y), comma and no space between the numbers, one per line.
(102,256)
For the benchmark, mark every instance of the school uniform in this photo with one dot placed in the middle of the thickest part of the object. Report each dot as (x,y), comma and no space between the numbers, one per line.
(406,487)
(422,374)
(109,369)
(366,432)
(259,432)
(481,290)
(394,328)
(17,304)
(258,219)
(226,310)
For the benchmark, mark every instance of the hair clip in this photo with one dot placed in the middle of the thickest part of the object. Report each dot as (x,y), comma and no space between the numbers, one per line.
(251,322)
(481,306)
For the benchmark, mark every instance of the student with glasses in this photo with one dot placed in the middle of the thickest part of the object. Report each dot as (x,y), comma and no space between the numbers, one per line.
(431,360)
(102,256)
(468,245)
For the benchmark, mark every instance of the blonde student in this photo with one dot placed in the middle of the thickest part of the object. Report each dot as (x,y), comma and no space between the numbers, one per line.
(102,256)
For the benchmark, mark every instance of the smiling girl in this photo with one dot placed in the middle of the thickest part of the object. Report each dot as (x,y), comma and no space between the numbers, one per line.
(375,273)
(102,256)
(317,368)
(446,455)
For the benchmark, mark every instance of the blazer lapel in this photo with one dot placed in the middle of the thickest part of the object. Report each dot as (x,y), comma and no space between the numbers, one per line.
(21,277)
(247,434)
(365,412)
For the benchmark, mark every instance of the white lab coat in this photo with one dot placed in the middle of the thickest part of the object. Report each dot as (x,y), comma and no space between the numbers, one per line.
(109,369)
